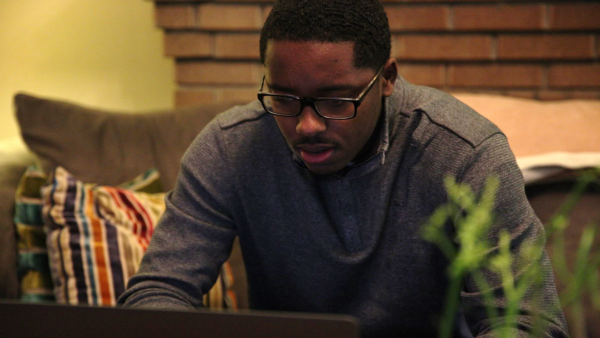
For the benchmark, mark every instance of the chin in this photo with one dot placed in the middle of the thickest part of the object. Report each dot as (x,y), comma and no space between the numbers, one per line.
(322,170)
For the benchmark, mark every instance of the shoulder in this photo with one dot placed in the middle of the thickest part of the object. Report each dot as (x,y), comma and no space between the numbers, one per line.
(445,136)
(237,124)
(241,134)
(240,115)
(440,111)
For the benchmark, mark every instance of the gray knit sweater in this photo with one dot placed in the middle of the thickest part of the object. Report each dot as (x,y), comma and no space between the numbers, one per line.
(346,243)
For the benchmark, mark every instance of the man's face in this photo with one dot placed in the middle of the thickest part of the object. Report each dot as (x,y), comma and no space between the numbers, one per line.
(315,69)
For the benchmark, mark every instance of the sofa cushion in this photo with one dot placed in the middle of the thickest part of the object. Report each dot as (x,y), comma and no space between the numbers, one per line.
(539,127)
(109,147)
(34,271)
(14,160)
(97,235)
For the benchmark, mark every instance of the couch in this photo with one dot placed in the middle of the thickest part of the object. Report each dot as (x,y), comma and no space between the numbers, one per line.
(551,140)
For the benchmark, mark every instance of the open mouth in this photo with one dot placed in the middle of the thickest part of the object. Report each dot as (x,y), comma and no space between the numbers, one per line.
(316,156)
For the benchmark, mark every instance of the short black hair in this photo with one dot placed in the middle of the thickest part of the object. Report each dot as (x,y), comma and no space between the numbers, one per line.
(363,22)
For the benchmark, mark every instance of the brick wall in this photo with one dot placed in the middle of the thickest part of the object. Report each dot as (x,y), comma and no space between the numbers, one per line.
(535,49)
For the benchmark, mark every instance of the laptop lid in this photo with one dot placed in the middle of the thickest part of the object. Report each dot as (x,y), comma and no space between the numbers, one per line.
(49,320)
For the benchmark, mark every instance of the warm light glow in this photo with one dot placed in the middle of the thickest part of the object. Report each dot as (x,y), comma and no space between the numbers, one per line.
(101,53)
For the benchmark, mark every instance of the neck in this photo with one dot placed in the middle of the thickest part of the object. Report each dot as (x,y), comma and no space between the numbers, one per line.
(370,148)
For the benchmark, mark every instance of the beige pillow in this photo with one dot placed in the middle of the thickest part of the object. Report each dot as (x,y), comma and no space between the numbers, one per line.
(109,147)
(539,127)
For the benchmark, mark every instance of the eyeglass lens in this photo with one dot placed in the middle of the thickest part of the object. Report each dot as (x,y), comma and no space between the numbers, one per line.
(288,106)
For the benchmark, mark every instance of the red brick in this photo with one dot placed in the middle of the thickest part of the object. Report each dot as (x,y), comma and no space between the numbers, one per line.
(427,75)
(488,92)
(575,16)
(523,94)
(415,18)
(174,16)
(229,17)
(237,46)
(238,95)
(495,76)
(535,47)
(210,72)
(188,44)
(193,97)
(265,12)
(549,95)
(394,41)
(443,47)
(497,17)
(459,92)
(586,95)
(574,75)
(204,95)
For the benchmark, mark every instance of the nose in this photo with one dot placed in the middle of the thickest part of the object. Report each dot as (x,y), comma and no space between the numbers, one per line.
(310,123)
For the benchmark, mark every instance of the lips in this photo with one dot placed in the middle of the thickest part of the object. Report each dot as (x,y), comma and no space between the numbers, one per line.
(315,154)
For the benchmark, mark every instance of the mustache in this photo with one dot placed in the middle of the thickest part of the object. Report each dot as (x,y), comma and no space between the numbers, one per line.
(314,140)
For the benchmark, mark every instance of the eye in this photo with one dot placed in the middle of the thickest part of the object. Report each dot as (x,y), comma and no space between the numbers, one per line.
(282,99)
(335,103)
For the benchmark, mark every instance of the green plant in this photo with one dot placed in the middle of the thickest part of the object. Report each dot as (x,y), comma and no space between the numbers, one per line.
(582,279)
(469,254)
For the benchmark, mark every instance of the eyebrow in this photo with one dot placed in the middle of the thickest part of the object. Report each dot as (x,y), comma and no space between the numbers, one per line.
(328,89)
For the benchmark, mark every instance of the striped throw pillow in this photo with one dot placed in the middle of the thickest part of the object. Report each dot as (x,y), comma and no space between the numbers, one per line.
(34,271)
(97,236)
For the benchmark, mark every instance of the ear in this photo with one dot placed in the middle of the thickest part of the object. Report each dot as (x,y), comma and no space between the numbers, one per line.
(389,75)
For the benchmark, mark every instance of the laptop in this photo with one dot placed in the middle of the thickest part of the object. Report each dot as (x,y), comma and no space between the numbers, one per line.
(53,321)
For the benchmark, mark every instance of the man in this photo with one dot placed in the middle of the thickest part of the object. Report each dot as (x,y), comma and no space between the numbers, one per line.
(328,179)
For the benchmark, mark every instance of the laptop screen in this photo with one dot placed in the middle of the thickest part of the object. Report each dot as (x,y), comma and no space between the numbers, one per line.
(50,320)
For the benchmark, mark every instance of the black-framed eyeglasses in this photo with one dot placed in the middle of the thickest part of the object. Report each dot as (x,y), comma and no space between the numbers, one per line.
(335,108)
